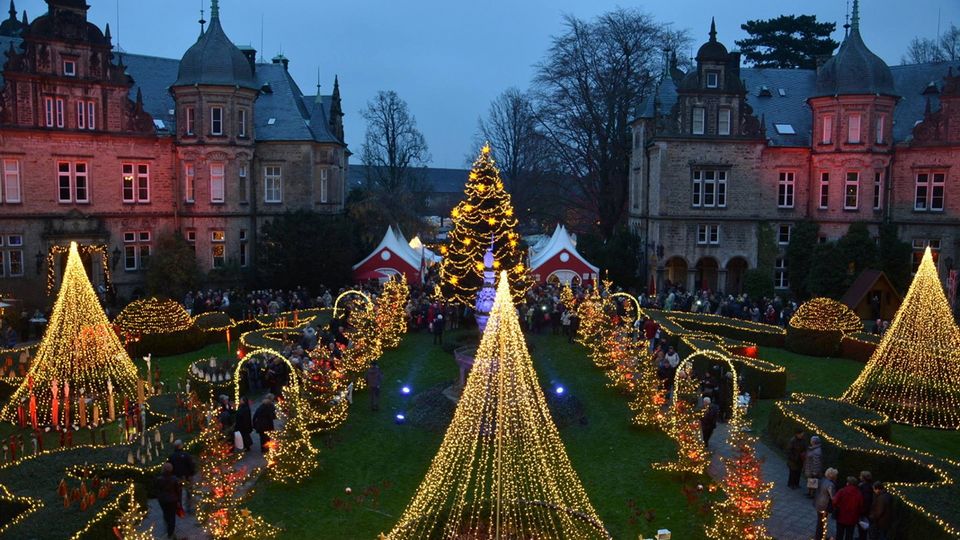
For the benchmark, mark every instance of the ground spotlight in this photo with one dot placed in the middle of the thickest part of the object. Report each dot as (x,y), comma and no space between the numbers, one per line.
(559,390)
(405,390)
(400,418)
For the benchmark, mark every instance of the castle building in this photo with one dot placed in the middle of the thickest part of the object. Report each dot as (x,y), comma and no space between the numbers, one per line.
(115,150)
(721,149)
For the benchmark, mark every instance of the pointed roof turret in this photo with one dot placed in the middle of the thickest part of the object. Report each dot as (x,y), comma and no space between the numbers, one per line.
(855,70)
(214,60)
(712,50)
(12,27)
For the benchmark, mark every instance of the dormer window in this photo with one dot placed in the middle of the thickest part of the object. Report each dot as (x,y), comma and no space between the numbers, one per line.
(713,79)
(69,68)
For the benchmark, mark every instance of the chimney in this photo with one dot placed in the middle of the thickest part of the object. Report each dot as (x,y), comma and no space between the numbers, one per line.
(281,59)
(251,55)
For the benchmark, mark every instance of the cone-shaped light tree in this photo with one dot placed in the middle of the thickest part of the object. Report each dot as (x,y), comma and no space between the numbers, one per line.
(501,471)
(914,374)
(80,355)
(485,213)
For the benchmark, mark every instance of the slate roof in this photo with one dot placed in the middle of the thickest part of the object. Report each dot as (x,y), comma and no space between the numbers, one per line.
(855,70)
(799,85)
(215,60)
(439,180)
(296,117)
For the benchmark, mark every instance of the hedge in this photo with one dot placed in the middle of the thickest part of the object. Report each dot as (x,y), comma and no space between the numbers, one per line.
(855,348)
(813,342)
(855,439)
(761,379)
(762,334)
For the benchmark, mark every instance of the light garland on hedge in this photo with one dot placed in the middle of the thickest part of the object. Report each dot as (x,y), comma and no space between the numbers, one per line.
(502,469)
(153,316)
(32,505)
(826,314)
(914,374)
(946,477)
(203,321)
(131,519)
(80,352)
(485,214)
(295,373)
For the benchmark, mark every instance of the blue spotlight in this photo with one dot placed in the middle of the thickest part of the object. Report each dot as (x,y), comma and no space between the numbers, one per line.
(405,390)
(559,390)
(401,418)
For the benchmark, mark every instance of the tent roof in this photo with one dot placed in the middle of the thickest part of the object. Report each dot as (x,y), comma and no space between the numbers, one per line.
(417,246)
(397,244)
(559,242)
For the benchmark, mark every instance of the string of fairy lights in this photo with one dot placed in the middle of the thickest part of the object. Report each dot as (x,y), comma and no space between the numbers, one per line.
(913,375)
(87,250)
(153,316)
(826,314)
(484,215)
(501,470)
(80,367)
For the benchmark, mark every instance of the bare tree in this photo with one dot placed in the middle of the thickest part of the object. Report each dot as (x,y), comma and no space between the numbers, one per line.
(921,51)
(393,147)
(394,153)
(950,43)
(589,86)
(521,151)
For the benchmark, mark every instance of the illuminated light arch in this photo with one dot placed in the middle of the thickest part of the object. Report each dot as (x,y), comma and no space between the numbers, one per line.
(636,303)
(336,305)
(736,414)
(295,381)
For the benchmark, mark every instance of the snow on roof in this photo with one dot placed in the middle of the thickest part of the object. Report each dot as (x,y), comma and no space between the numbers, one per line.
(397,244)
(559,242)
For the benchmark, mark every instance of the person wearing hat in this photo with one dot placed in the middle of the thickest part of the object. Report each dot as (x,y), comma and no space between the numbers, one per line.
(813,466)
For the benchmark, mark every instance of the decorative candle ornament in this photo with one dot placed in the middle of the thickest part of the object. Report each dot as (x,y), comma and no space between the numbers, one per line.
(111,413)
(96,413)
(82,408)
(66,404)
(55,403)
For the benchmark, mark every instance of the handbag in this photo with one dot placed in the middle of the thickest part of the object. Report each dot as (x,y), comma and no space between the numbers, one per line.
(180,512)
(813,483)
(238,440)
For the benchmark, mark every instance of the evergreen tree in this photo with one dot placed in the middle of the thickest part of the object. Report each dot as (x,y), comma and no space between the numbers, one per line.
(828,272)
(800,255)
(894,256)
(173,267)
(758,282)
(292,458)
(859,251)
(291,245)
(485,213)
(742,513)
(788,41)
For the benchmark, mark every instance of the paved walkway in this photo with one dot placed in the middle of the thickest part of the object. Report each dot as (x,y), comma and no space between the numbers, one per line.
(792,516)
(188,528)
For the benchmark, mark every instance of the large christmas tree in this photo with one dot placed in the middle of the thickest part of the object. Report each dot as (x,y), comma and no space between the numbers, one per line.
(485,213)
(501,471)
(914,374)
(80,357)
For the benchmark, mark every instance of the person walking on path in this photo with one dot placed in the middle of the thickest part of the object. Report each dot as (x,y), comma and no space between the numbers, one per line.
(881,513)
(374,378)
(168,495)
(244,423)
(183,469)
(866,491)
(813,466)
(437,327)
(574,326)
(263,421)
(708,423)
(848,504)
(795,454)
(823,501)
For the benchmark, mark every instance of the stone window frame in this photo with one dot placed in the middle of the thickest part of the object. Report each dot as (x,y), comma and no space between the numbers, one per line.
(847,185)
(934,182)
(788,227)
(136,250)
(699,183)
(273,184)
(698,115)
(823,202)
(73,175)
(138,178)
(218,182)
(708,234)
(786,188)
(12,181)
(218,248)
(781,275)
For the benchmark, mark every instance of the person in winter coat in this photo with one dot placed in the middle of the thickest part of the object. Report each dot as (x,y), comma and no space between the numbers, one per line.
(866,491)
(183,468)
(244,423)
(263,421)
(708,422)
(848,505)
(823,502)
(813,465)
(795,454)
(168,495)
(881,513)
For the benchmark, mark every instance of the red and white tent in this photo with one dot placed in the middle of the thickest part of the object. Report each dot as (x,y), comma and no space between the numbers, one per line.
(557,260)
(392,256)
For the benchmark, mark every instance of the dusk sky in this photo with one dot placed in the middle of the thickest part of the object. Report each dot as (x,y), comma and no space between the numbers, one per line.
(449,58)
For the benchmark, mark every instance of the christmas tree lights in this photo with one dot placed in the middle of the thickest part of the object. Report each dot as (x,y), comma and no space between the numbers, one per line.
(391,314)
(741,515)
(567,298)
(80,357)
(291,458)
(914,374)
(485,213)
(153,316)
(649,398)
(684,427)
(501,471)
(826,314)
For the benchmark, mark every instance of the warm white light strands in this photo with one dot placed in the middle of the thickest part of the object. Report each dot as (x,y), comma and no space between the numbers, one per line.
(501,471)
(914,374)
(79,349)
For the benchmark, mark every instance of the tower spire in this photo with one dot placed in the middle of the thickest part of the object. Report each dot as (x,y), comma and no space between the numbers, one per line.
(202,21)
(214,10)
(855,17)
(13,11)
(713,30)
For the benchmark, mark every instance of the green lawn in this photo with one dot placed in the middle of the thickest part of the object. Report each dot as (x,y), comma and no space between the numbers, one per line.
(383,463)
(174,368)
